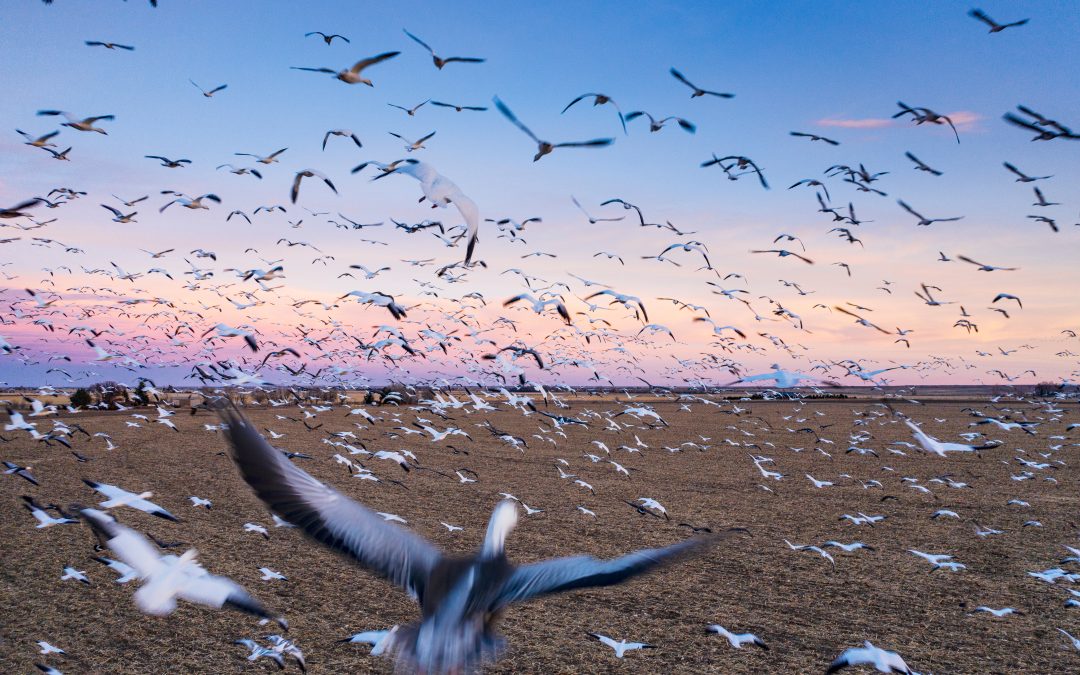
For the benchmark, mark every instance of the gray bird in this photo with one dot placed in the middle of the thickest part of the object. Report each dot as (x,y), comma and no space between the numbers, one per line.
(461,598)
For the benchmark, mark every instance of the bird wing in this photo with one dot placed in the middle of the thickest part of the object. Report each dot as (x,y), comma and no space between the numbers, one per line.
(566,574)
(510,116)
(595,143)
(419,41)
(469,211)
(679,76)
(326,515)
(575,101)
(130,546)
(360,65)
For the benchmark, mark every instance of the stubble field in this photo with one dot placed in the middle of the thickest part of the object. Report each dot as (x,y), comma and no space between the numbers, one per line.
(806,609)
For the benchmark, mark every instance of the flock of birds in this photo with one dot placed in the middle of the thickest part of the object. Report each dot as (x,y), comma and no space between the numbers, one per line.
(114,327)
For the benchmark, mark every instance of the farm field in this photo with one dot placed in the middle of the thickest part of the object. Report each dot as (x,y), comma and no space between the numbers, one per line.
(805,608)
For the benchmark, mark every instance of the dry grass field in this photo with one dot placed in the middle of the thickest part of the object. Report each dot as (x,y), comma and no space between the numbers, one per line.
(806,609)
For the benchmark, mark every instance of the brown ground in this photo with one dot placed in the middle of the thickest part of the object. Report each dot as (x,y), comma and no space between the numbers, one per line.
(806,610)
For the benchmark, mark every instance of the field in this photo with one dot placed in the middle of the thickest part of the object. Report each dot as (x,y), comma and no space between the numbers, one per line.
(806,609)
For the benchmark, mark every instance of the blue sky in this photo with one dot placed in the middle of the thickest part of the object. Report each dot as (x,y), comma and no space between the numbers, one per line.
(791,65)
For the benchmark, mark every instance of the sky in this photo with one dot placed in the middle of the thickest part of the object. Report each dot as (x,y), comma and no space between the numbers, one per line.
(829,68)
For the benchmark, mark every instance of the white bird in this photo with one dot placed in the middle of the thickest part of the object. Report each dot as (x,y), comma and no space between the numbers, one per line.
(868,654)
(441,192)
(308,173)
(939,448)
(126,572)
(73,122)
(378,639)
(119,497)
(847,548)
(352,75)
(199,501)
(47,648)
(1005,611)
(169,577)
(258,652)
(270,575)
(737,640)
(622,646)
(258,529)
(452,528)
(43,517)
(75,575)
(1075,642)
(814,549)
(945,513)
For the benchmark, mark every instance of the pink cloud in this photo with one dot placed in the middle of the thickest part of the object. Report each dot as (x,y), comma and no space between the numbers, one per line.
(865,123)
(965,119)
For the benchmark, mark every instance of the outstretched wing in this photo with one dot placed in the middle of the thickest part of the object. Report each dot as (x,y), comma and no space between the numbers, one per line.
(513,118)
(325,514)
(567,574)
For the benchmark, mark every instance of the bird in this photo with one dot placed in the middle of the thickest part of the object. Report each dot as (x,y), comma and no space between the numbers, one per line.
(441,192)
(268,159)
(410,146)
(1075,642)
(193,204)
(783,253)
(120,497)
(737,640)
(270,575)
(922,166)
(42,516)
(127,572)
(1022,177)
(209,93)
(47,648)
(439,61)
(460,598)
(882,660)
(620,646)
(598,99)
(998,613)
(109,45)
(11,468)
(85,124)
(986,268)
(995,27)
(343,133)
(166,578)
(697,91)
(544,147)
(658,124)
(308,173)
(170,163)
(539,306)
(328,39)
(933,446)
(353,75)
(923,220)
(459,108)
(813,137)
(75,575)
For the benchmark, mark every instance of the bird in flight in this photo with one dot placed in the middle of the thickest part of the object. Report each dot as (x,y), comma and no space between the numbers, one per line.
(544,147)
(438,60)
(353,75)
(698,91)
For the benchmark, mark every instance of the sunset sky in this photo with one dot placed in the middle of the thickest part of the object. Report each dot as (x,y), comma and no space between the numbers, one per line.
(831,68)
